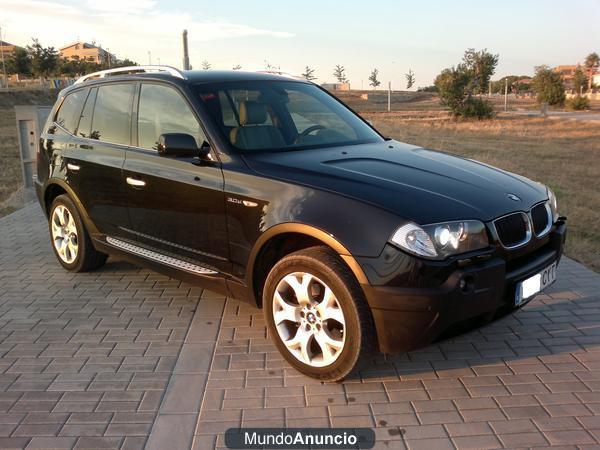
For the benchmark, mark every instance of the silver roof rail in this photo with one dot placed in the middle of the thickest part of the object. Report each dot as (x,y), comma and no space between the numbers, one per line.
(131,69)
(283,74)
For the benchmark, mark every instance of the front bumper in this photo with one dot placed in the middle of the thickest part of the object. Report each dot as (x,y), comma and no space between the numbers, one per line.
(409,317)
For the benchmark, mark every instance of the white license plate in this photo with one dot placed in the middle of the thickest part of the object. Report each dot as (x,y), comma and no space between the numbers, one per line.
(534,284)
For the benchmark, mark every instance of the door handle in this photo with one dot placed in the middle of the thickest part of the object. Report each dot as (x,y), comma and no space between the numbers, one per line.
(135,182)
(73,167)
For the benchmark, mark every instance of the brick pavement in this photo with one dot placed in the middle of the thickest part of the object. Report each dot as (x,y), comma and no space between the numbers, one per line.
(104,359)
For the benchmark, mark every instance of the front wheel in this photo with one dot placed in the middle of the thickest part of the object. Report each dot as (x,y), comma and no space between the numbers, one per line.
(317,314)
(70,240)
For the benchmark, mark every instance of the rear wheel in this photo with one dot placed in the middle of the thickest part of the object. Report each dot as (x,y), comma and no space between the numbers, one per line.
(317,314)
(70,241)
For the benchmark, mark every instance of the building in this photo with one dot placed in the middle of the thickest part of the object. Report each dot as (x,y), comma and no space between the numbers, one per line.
(7,48)
(88,52)
(568,72)
(336,86)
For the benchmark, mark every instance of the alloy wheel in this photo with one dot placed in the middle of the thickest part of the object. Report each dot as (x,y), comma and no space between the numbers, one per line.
(309,319)
(64,234)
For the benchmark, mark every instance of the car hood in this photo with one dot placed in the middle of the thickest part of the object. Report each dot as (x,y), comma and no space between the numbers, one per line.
(418,184)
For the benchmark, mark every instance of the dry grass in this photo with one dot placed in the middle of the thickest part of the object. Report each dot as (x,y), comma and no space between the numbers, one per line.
(564,154)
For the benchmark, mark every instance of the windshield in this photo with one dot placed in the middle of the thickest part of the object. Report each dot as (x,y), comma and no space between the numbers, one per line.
(282,115)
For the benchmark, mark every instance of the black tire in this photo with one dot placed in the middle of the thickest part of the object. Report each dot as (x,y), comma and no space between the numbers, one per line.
(88,258)
(359,331)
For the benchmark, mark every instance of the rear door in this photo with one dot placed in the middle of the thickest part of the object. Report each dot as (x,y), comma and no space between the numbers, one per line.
(176,204)
(97,154)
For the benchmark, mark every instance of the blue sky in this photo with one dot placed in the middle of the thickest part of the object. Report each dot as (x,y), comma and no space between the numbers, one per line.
(391,36)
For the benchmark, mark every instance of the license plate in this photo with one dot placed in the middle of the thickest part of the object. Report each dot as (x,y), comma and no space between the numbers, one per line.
(534,284)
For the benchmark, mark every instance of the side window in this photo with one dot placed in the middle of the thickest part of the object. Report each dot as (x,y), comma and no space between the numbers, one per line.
(111,120)
(68,114)
(85,121)
(163,110)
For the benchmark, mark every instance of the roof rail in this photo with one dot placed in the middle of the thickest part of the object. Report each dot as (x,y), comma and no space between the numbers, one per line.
(131,70)
(282,73)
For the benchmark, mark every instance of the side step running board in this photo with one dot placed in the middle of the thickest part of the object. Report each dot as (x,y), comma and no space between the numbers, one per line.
(158,257)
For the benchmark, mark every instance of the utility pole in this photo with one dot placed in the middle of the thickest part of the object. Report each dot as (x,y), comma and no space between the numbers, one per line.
(5,82)
(506,94)
(389,96)
(186,55)
(490,89)
(149,57)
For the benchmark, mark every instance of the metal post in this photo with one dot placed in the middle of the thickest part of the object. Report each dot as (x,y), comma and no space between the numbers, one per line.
(505,94)
(389,96)
(186,55)
(5,84)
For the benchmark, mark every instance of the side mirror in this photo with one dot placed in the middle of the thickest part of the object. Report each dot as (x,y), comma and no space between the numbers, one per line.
(177,144)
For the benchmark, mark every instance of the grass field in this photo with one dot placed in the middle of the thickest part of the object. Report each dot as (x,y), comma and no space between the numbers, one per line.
(564,154)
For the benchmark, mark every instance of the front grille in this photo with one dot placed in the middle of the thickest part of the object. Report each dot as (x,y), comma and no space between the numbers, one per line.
(540,218)
(513,230)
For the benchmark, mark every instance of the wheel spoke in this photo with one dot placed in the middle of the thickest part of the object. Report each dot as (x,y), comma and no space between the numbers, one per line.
(300,288)
(60,214)
(329,309)
(299,343)
(284,311)
(329,346)
(72,250)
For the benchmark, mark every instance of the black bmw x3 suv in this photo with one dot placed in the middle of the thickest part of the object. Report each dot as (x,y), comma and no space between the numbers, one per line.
(267,189)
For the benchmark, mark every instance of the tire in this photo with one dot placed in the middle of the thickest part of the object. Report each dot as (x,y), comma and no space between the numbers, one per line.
(323,336)
(70,240)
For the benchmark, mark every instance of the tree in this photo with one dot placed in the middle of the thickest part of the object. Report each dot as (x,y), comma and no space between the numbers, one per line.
(309,74)
(580,81)
(480,65)
(549,86)
(206,65)
(373,79)
(410,79)
(237,67)
(592,61)
(339,72)
(455,88)
(44,60)
(19,62)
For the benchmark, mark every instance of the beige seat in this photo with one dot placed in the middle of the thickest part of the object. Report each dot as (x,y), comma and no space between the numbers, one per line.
(253,133)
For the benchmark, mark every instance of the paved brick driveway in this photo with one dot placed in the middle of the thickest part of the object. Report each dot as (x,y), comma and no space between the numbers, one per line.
(127,358)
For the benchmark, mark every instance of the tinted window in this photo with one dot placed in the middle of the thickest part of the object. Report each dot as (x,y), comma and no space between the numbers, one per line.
(85,121)
(111,120)
(282,115)
(69,111)
(163,110)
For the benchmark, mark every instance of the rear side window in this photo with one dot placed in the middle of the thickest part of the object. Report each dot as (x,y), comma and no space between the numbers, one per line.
(163,110)
(111,121)
(68,113)
(85,121)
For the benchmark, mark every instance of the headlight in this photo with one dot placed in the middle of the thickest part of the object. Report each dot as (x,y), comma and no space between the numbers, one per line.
(441,240)
(553,204)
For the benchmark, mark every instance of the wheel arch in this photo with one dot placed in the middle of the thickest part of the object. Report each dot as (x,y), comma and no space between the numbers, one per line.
(286,238)
(56,187)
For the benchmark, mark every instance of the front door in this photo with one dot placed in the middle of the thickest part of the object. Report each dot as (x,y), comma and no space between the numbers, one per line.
(176,204)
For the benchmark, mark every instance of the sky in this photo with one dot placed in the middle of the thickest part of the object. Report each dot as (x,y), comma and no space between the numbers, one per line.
(392,36)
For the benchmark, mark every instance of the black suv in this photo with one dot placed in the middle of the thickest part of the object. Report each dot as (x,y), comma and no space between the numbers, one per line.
(267,189)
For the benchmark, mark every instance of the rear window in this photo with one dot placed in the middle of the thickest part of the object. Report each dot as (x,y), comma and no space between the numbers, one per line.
(112,113)
(68,113)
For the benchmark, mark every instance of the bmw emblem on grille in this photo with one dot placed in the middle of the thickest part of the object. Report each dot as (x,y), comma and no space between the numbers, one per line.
(513,197)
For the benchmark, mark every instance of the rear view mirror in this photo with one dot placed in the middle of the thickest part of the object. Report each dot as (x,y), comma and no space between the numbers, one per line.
(178,145)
